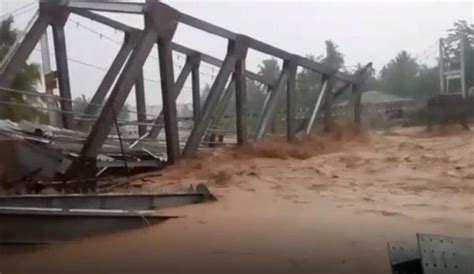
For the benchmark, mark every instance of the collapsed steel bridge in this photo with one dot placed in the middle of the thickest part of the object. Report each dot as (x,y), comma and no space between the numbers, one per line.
(161,23)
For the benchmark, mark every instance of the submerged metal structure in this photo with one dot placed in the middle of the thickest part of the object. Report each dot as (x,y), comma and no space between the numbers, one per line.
(161,23)
(432,254)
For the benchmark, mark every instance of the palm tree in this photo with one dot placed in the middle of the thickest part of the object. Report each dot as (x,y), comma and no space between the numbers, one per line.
(26,79)
(269,69)
(334,58)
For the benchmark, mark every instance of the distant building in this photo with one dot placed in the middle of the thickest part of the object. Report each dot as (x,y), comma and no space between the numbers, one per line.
(381,106)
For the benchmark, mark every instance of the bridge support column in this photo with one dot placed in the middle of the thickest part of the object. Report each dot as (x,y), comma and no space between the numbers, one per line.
(357,100)
(196,91)
(291,99)
(141,103)
(240,82)
(328,103)
(62,68)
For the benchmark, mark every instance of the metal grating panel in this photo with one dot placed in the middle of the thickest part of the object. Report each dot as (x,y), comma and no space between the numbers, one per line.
(400,252)
(404,258)
(446,255)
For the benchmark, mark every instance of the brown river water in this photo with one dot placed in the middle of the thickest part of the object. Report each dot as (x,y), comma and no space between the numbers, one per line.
(329,209)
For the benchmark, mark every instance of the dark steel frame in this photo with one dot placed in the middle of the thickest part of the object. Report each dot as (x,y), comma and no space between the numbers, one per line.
(161,22)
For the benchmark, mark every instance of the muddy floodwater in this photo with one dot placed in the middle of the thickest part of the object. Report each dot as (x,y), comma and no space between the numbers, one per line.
(328,212)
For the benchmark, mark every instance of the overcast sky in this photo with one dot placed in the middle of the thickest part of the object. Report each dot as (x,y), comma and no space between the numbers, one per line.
(365,31)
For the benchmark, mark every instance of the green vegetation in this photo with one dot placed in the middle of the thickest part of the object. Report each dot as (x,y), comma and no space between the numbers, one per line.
(26,80)
(403,76)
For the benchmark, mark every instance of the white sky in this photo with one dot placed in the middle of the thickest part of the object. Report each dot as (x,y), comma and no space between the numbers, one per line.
(364,30)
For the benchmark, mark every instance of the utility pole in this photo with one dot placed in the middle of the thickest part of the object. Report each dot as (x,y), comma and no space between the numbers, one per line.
(441,67)
(49,80)
(463,66)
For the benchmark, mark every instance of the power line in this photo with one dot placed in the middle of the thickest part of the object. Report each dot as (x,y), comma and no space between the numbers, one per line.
(12,13)
(102,35)
(102,68)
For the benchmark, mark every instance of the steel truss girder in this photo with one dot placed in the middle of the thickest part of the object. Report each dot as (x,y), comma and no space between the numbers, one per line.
(291,98)
(223,102)
(271,103)
(317,105)
(177,47)
(204,26)
(357,98)
(240,101)
(50,13)
(20,55)
(360,76)
(168,93)
(62,68)
(236,51)
(211,103)
(116,100)
(216,30)
(328,103)
(165,21)
(179,84)
(130,41)
(141,103)
(196,90)
(109,6)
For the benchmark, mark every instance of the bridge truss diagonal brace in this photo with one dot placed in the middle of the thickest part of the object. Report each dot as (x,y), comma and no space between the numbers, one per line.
(291,97)
(223,102)
(360,76)
(115,101)
(191,62)
(328,99)
(221,108)
(236,50)
(130,41)
(356,92)
(317,105)
(272,101)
